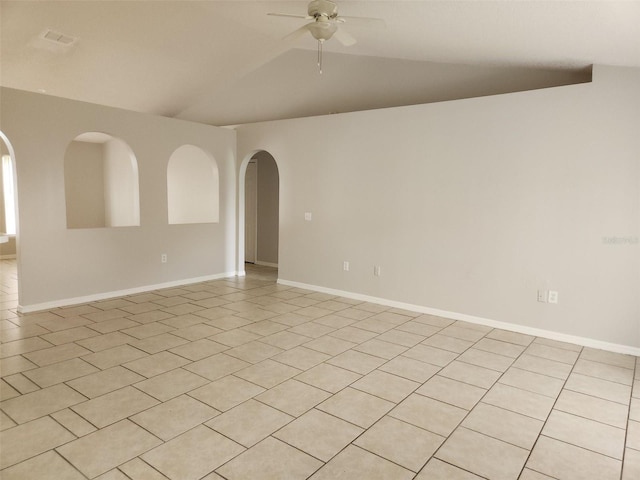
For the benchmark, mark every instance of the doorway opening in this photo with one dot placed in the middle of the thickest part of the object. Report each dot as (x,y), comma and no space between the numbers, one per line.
(259,212)
(9,227)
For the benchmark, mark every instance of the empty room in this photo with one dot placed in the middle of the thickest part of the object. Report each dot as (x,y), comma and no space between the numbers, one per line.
(288,240)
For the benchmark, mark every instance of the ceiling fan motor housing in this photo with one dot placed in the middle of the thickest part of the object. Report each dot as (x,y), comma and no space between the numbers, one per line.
(323,8)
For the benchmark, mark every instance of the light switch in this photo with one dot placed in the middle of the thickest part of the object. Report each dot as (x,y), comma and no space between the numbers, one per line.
(307,216)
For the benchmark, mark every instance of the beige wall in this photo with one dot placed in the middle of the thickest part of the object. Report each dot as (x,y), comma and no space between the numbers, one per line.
(471,206)
(7,249)
(56,264)
(84,185)
(268,209)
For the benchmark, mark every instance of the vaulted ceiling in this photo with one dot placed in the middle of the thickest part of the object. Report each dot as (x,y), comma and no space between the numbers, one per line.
(225,62)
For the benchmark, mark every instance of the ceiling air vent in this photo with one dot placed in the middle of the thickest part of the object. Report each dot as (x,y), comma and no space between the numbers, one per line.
(53,41)
(58,37)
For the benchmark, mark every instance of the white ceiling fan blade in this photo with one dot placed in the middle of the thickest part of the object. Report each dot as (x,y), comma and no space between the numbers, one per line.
(344,37)
(293,36)
(304,17)
(364,21)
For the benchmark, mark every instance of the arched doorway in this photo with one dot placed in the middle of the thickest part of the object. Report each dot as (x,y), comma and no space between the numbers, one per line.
(9,228)
(259,211)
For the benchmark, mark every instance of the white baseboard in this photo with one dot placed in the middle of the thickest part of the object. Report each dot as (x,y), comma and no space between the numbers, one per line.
(266,264)
(538,332)
(66,302)
(8,257)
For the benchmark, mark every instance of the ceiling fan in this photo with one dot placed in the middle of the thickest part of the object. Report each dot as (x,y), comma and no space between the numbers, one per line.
(325,24)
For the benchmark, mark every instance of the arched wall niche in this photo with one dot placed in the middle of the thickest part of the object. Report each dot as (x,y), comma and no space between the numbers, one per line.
(101,182)
(193,187)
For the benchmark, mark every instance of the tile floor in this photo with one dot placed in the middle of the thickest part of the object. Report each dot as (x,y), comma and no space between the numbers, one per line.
(245,379)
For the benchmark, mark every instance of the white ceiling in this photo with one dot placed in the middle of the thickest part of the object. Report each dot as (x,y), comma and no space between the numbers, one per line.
(224,62)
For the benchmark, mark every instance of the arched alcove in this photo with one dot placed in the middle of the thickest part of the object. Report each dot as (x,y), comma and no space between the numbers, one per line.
(101,182)
(9,225)
(192,186)
(259,210)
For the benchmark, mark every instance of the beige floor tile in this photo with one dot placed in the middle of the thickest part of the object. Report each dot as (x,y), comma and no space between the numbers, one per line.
(328,377)
(105,341)
(270,458)
(148,329)
(533,382)
(5,422)
(410,369)
(73,422)
(499,347)
(597,387)
(511,337)
(357,407)
(301,358)
(335,321)
(7,391)
(114,356)
(585,433)
(519,401)
(319,434)
(292,320)
(216,366)
(158,343)
(254,352)
(634,410)
(183,321)
(568,462)
(285,340)
(30,439)
(156,364)
(552,353)
(293,397)
(631,468)
(587,406)
(136,469)
(114,406)
(492,361)
(394,317)
(101,451)
(604,371)
(544,366)
(418,328)
(558,344)
(199,349)
(262,327)
(611,358)
(355,463)
(68,336)
(329,345)
(353,334)
(20,333)
(20,383)
(226,392)
(311,329)
(113,325)
(372,324)
(267,373)
(438,470)
(171,384)
(434,356)
(48,466)
(105,381)
(633,435)
(197,332)
(60,372)
(450,344)
(249,422)
(399,337)
(437,417)
(478,453)
(357,362)
(386,385)
(471,374)
(504,425)
(174,417)
(528,474)
(380,348)
(234,338)
(314,311)
(193,454)
(355,314)
(468,334)
(42,402)
(452,392)
(16,364)
(400,442)
(56,354)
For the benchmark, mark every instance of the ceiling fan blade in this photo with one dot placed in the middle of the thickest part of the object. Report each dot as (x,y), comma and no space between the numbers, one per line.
(293,36)
(364,21)
(304,17)
(344,37)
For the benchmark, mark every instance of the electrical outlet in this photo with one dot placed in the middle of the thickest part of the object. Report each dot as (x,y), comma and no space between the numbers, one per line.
(553,296)
(163,258)
(542,296)
(377,270)
(345,266)
(308,216)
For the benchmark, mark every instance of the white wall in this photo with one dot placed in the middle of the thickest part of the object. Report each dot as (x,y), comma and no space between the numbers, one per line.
(56,263)
(471,206)
(121,185)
